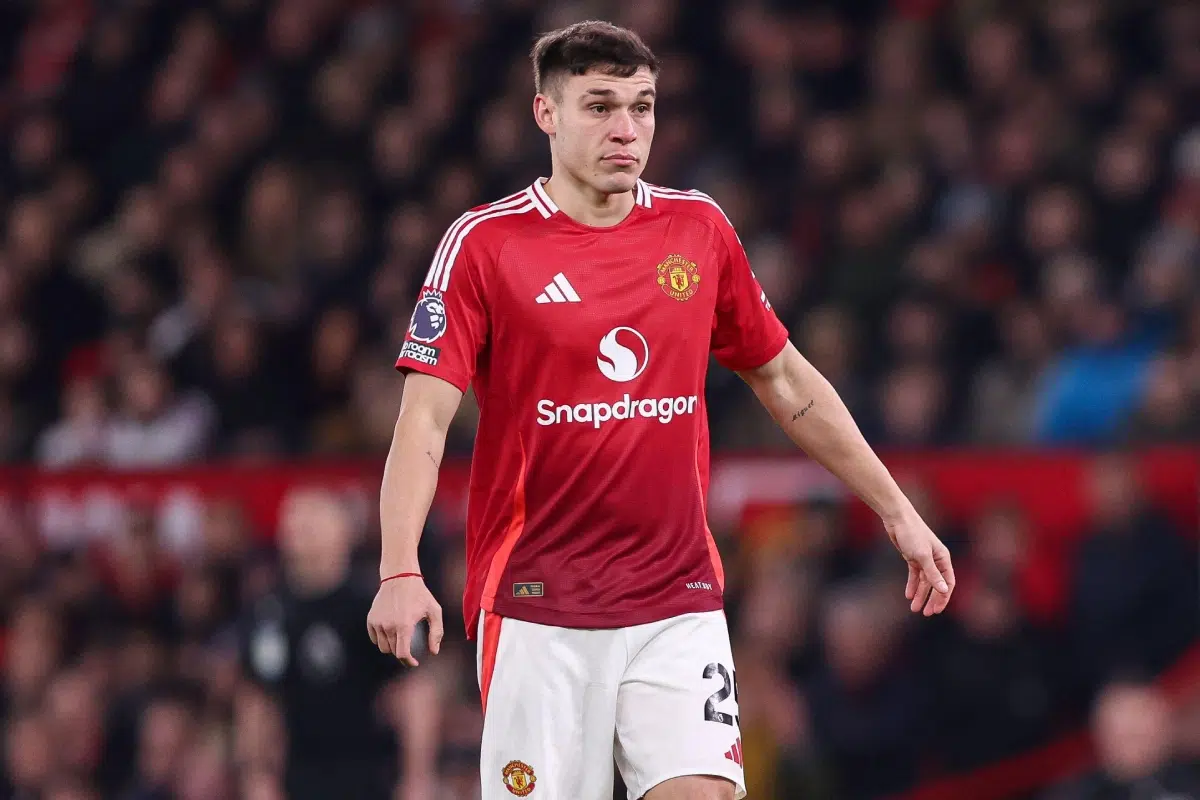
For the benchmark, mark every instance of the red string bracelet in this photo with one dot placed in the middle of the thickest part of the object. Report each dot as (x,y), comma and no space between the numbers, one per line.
(402,575)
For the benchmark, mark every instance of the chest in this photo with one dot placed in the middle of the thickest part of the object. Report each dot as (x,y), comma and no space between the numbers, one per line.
(650,288)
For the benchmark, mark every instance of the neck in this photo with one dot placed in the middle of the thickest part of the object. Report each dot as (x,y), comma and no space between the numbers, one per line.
(585,204)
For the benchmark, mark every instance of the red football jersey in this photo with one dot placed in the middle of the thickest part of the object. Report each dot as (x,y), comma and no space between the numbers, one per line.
(588,348)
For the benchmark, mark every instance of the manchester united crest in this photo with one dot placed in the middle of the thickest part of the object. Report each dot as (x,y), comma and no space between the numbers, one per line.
(519,778)
(679,277)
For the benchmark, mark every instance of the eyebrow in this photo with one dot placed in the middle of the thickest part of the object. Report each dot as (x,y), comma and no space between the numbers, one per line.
(610,93)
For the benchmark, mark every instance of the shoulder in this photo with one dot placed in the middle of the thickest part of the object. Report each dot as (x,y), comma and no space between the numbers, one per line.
(495,221)
(683,201)
(482,231)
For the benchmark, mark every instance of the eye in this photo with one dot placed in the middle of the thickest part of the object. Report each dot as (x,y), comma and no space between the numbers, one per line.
(598,108)
(644,108)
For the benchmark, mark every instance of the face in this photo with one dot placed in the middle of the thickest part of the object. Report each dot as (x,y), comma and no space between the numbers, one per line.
(164,736)
(315,537)
(1132,729)
(600,127)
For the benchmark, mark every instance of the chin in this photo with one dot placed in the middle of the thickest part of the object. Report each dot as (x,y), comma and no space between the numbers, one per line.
(617,182)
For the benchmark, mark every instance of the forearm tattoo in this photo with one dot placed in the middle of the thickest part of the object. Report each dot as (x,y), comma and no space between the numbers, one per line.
(803,411)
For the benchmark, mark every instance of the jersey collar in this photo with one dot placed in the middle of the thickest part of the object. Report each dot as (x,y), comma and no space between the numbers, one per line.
(547,208)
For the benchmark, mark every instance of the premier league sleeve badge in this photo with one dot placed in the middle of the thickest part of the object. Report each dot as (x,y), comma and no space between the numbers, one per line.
(428,318)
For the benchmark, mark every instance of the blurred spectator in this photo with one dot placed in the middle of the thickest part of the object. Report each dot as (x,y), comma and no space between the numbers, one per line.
(1005,546)
(1005,390)
(81,436)
(1130,568)
(775,646)
(866,705)
(29,764)
(914,404)
(350,729)
(995,683)
(167,732)
(257,417)
(75,714)
(1169,410)
(155,426)
(1132,727)
(34,646)
(69,789)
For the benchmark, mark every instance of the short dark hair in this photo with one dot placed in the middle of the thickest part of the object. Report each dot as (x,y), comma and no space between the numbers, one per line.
(584,46)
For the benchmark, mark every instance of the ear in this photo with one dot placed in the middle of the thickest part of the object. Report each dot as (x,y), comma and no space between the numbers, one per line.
(544,109)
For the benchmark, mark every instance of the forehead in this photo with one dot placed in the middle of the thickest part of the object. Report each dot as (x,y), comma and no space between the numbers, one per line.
(596,80)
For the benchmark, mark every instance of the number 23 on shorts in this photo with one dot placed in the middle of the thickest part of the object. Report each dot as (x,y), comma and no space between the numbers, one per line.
(729,681)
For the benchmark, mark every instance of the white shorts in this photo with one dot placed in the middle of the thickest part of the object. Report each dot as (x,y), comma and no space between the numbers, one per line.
(562,705)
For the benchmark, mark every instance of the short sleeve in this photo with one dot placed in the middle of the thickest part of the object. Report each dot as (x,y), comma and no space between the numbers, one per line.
(449,325)
(746,332)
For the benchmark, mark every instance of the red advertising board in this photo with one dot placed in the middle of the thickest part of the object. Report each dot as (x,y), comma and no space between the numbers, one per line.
(1052,487)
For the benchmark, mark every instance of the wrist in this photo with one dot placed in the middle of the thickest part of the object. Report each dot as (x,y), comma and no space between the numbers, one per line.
(401,576)
(896,512)
(398,567)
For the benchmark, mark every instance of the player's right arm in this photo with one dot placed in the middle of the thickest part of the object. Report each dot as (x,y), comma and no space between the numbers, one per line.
(409,482)
(448,330)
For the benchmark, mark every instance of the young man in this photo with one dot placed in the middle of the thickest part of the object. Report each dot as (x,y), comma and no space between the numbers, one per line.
(584,309)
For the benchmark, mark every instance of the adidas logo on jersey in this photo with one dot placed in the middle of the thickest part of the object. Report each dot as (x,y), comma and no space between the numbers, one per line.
(559,290)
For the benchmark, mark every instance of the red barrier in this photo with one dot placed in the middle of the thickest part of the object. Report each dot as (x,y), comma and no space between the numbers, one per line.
(1051,487)
(75,505)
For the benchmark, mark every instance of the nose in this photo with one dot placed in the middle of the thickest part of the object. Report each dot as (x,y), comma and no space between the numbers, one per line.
(623,130)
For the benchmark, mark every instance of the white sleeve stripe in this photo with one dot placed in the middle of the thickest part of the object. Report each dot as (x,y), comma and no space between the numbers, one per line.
(675,194)
(680,194)
(644,189)
(683,193)
(439,261)
(435,267)
(461,236)
(439,257)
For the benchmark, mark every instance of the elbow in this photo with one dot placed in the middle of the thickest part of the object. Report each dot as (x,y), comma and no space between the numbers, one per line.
(418,426)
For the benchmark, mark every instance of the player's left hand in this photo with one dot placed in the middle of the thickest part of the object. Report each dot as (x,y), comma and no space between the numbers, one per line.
(930,573)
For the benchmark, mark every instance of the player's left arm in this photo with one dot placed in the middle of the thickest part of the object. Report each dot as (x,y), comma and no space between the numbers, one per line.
(749,339)
(810,411)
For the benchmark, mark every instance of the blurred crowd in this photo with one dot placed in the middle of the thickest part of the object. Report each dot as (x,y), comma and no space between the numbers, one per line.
(979,219)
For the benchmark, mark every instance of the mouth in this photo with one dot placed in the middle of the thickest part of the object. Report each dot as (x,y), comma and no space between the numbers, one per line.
(621,159)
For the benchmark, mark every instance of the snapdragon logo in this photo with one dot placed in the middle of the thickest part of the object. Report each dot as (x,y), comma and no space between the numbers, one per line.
(664,409)
(624,355)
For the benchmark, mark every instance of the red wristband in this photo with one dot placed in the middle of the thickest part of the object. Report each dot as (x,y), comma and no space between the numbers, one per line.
(402,575)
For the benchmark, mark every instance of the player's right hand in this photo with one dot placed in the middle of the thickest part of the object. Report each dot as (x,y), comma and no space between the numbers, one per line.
(399,607)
